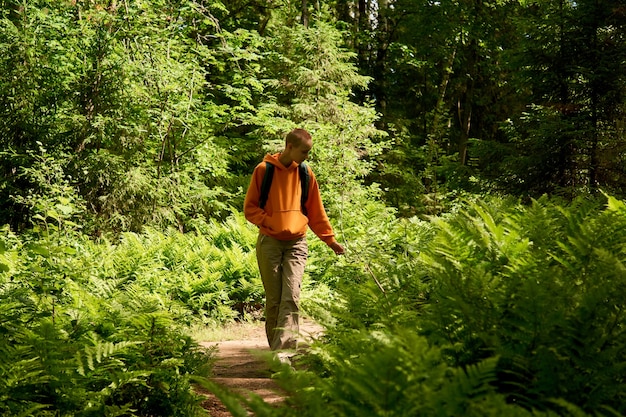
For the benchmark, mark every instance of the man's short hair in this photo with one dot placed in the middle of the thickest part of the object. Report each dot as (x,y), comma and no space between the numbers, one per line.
(297,136)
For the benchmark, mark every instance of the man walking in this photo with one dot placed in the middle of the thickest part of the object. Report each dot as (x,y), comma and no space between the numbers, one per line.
(282,217)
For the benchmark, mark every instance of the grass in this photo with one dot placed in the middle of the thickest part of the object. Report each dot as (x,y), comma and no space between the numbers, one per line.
(236,330)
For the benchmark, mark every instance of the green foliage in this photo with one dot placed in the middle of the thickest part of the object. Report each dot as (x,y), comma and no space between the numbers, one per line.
(565,138)
(296,76)
(211,273)
(380,261)
(313,77)
(540,287)
(495,309)
(153,115)
(115,94)
(389,372)
(102,329)
(145,119)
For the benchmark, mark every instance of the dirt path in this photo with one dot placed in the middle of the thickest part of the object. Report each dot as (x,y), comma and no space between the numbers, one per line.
(242,366)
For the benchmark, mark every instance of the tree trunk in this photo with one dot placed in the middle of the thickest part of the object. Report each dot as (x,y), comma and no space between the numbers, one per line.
(380,65)
(305,14)
(464,104)
(362,27)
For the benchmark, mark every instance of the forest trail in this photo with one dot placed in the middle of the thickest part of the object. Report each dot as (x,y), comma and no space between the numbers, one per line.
(243,366)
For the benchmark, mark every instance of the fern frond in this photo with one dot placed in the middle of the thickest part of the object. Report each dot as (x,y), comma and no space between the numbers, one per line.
(98,352)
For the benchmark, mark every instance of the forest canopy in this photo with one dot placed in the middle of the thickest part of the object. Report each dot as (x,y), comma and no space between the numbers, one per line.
(136,113)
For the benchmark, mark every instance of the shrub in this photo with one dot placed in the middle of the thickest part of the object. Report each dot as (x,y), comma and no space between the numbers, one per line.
(75,343)
(497,308)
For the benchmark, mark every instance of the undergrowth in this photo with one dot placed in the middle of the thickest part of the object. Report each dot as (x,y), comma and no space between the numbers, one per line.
(103,328)
(496,308)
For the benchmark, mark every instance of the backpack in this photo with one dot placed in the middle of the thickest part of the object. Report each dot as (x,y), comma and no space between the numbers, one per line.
(303,171)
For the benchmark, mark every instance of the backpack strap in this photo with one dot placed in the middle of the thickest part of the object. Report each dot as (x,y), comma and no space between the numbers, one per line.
(266,184)
(304,183)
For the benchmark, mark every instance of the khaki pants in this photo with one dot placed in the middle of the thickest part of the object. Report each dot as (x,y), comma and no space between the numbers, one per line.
(281,264)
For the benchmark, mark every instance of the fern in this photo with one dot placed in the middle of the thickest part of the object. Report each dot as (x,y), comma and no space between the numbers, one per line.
(98,352)
(89,328)
(495,309)
(538,286)
(390,372)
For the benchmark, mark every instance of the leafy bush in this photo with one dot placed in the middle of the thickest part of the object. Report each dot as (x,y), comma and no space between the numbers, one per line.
(494,309)
(98,329)
(211,272)
(377,273)
(542,288)
(393,372)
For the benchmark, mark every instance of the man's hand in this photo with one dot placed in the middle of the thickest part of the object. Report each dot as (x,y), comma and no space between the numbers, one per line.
(337,248)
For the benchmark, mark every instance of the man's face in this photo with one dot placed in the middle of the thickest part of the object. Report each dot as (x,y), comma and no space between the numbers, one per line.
(301,152)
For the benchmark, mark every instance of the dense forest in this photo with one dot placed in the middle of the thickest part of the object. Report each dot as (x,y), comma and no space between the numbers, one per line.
(472,159)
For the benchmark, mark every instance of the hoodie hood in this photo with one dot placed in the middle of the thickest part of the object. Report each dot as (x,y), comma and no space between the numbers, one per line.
(273,159)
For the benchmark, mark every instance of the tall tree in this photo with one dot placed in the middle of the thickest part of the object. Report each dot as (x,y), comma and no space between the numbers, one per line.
(568,140)
(112,93)
(290,74)
(438,82)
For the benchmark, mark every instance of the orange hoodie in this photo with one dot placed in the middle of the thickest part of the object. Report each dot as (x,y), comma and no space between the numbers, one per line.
(282,217)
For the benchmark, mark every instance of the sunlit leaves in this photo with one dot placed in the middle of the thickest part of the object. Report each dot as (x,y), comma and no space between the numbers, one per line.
(521,281)
(530,291)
